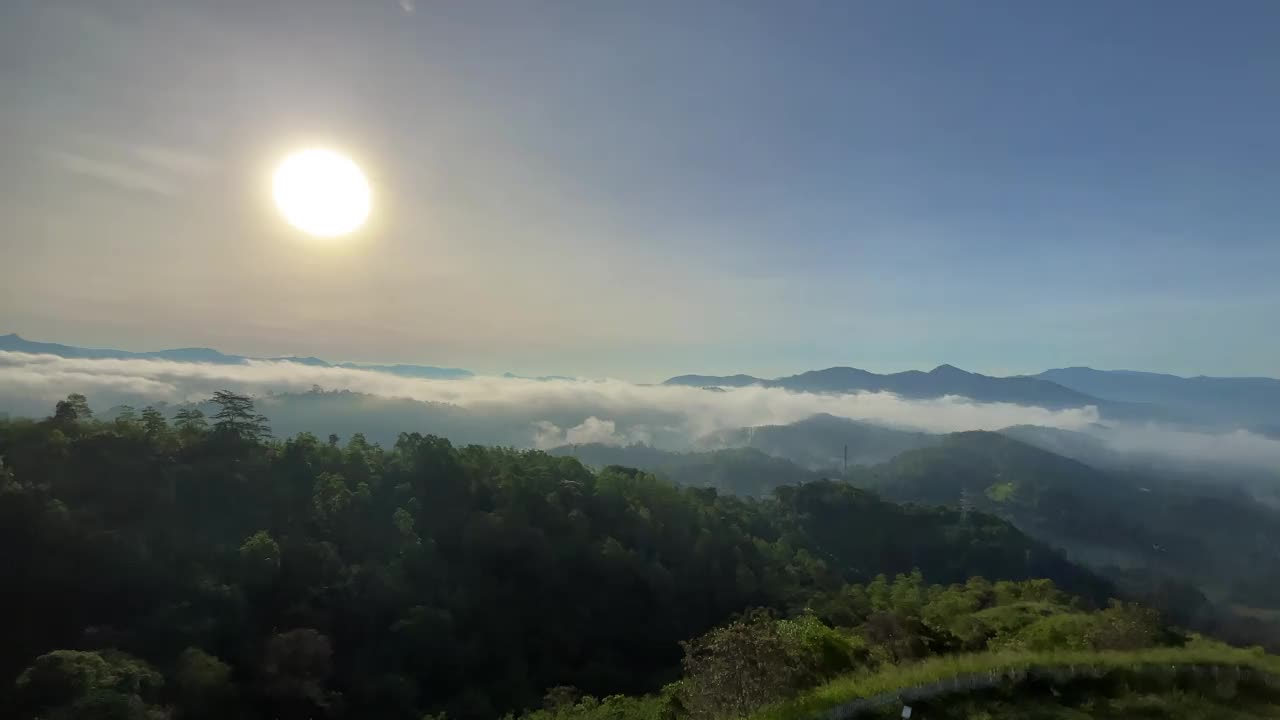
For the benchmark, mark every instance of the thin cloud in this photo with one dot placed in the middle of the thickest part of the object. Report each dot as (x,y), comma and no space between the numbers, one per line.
(173,160)
(1236,447)
(121,175)
(143,167)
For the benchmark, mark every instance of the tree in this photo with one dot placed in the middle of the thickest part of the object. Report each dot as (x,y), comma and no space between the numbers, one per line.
(72,410)
(79,684)
(330,499)
(895,636)
(736,669)
(204,684)
(403,522)
(1125,626)
(260,557)
(1067,631)
(64,674)
(237,416)
(907,593)
(295,667)
(153,422)
(190,423)
(126,415)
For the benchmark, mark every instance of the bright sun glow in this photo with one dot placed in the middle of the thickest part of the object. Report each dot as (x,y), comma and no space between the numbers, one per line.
(322,193)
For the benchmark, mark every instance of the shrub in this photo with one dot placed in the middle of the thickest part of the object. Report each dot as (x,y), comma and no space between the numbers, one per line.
(758,660)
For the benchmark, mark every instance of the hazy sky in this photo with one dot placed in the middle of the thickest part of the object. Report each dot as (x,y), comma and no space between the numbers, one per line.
(638,189)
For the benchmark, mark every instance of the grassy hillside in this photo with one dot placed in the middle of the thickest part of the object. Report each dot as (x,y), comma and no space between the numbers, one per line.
(976,650)
(937,687)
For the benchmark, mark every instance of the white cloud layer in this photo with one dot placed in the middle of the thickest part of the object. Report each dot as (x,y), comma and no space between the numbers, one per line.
(51,377)
(549,413)
(548,435)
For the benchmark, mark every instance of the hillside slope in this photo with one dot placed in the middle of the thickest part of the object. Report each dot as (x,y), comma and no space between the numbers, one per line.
(820,441)
(955,686)
(1226,544)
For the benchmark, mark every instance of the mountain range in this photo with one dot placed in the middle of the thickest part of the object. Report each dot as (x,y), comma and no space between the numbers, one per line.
(1253,400)
(15,343)
(940,381)
(1251,403)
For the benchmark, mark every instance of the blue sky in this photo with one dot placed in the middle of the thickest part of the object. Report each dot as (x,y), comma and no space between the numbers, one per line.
(642,189)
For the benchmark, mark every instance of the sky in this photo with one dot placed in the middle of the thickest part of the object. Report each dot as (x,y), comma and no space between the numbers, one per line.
(637,190)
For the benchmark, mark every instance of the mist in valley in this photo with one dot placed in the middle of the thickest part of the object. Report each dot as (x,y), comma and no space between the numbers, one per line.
(547,413)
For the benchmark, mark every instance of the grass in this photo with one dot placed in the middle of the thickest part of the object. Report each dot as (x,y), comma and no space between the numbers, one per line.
(933,670)
(1001,492)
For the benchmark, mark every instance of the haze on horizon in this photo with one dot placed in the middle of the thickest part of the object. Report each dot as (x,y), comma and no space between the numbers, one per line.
(643,191)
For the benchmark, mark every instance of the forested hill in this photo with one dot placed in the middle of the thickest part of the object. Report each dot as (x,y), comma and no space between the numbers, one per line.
(823,442)
(1226,544)
(194,567)
(741,471)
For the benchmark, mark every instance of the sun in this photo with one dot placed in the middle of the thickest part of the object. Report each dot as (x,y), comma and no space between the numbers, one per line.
(322,193)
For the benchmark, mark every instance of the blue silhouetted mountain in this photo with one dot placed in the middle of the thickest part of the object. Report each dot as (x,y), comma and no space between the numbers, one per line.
(415,371)
(1248,401)
(715,380)
(15,343)
(539,378)
(941,381)
(314,361)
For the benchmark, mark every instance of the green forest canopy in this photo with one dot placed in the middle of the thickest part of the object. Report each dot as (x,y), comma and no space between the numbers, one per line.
(198,568)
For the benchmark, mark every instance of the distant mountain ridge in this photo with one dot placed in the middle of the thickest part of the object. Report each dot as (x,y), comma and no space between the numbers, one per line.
(938,382)
(715,380)
(15,343)
(822,441)
(1251,400)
